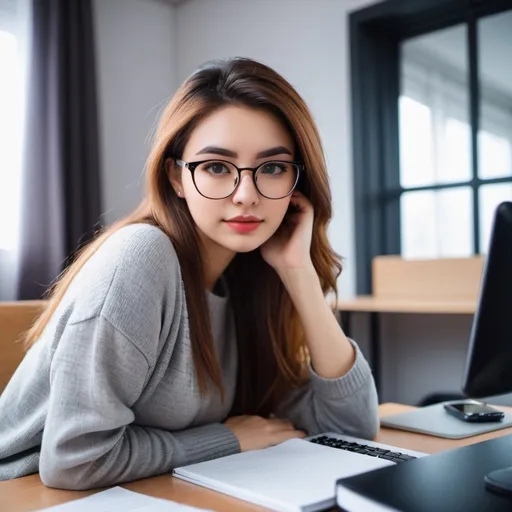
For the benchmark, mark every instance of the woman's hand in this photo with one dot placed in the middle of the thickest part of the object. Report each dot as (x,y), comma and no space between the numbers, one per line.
(255,432)
(290,247)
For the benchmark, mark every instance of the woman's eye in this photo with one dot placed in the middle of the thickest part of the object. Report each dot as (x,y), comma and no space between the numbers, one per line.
(217,168)
(273,168)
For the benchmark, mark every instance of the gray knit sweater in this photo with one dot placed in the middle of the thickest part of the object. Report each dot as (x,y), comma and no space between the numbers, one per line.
(108,393)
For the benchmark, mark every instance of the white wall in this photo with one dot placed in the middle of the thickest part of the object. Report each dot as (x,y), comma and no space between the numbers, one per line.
(136,62)
(307,42)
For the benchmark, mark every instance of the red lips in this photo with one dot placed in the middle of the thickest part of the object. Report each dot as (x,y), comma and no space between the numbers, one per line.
(244,218)
(243,223)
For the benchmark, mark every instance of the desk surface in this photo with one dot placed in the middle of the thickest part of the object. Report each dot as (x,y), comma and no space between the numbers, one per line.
(367,303)
(28,494)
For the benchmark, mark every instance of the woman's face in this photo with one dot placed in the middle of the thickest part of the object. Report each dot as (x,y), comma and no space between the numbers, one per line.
(245,137)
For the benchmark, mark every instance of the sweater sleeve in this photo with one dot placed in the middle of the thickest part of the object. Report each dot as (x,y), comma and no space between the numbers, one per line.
(347,405)
(97,375)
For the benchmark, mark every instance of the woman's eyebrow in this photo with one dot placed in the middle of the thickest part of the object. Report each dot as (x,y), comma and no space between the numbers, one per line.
(215,150)
(278,150)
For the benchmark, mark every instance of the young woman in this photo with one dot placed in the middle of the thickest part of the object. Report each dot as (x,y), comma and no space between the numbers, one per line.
(196,327)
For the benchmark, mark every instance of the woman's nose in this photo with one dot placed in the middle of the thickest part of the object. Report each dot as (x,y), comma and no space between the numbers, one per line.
(246,192)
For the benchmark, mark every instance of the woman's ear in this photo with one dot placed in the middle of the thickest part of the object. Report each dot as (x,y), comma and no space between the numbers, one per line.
(174,175)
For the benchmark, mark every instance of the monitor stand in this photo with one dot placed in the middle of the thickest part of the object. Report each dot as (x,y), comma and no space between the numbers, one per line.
(500,481)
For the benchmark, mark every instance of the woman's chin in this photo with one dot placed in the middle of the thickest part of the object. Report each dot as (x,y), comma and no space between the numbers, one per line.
(243,244)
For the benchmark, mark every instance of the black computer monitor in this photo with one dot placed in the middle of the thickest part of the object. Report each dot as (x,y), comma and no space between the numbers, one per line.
(489,360)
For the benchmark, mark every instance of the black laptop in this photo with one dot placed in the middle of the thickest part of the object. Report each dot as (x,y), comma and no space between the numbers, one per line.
(450,481)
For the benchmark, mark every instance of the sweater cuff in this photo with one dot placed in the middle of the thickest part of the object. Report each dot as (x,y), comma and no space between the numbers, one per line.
(346,385)
(208,442)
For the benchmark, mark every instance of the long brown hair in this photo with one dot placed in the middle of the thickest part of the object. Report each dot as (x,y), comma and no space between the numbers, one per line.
(271,343)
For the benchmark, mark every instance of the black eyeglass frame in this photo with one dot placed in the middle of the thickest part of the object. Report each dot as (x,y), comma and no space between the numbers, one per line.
(191,166)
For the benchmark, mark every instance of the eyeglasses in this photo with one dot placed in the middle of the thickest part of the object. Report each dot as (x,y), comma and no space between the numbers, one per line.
(218,179)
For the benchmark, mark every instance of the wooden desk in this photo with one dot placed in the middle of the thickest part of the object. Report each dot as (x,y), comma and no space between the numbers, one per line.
(29,494)
(369,304)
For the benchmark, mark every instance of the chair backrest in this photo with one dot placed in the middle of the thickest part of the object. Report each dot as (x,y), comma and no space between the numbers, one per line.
(441,279)
(15,319)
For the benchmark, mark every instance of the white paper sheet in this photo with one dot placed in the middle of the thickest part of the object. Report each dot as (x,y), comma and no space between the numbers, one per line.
(116,499)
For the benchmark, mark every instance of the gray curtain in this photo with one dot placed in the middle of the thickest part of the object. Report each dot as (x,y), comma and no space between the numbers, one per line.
(61,196)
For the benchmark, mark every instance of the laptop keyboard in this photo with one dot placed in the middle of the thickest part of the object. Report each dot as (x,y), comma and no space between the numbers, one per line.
(363,449)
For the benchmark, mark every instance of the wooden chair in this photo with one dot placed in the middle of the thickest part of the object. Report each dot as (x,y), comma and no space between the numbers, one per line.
(15,319)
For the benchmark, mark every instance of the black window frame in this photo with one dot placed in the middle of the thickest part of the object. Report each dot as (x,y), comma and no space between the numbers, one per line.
(376,33)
